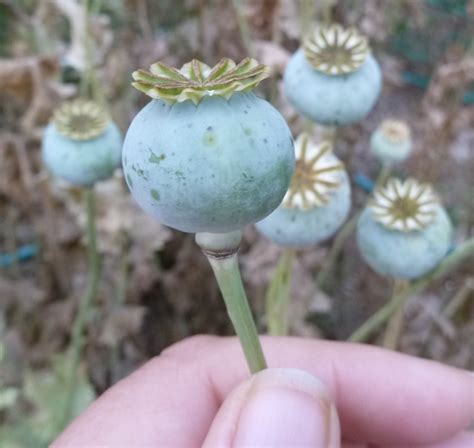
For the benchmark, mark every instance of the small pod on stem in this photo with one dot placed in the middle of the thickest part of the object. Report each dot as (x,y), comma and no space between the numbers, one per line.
(315,206)
(82,146)
(317,201)
(404,231)
(208,156)
(391,142)
(333,79)
(403,234)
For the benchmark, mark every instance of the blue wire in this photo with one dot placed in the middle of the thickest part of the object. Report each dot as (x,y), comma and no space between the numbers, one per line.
(24,253)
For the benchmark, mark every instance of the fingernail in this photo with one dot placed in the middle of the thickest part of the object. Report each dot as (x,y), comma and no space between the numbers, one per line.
(287,407)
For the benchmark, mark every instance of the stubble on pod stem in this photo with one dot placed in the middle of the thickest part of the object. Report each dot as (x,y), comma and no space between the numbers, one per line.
(219,245)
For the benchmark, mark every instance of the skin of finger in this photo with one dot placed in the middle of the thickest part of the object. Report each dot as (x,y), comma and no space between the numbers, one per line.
(382,397)
(464,439)
(167,402)
(224,426)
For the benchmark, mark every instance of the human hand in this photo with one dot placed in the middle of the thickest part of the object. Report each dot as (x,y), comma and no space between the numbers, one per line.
(198,393)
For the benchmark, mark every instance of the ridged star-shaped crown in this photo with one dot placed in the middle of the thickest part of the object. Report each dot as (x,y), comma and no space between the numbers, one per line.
(335,50)
(195,80)
(395,131)
(316,174)
(80,119)
(406,206)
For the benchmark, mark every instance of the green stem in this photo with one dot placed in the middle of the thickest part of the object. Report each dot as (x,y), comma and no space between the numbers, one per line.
(221,251)
(394,326)
(277,298)
(456,303)
(78,337)
(347,229)
(89,85)
(384,174)
(374,322)
(306,16)
(336,248)
(327,12)
(243,28)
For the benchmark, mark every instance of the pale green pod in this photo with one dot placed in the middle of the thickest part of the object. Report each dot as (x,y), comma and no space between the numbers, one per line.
(404,233)
(81,145)
(333,79)
(391,142)
(317,202)
(203,162)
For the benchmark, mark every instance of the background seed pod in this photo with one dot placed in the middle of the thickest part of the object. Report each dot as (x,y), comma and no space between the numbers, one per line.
(302,228)
(82,162)
(332,100)
(404,255)
(391,150)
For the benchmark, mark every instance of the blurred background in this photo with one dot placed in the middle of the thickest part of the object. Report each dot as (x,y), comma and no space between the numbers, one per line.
(156,287)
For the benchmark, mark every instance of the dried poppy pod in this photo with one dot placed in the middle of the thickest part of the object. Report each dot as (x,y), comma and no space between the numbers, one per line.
(207,154)
(317,201)
(81,144)
(391,142)
(333,79)
(404,232)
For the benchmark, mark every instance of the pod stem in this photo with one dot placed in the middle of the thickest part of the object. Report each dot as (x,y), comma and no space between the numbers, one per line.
(221,251)
(277,298)
(347,229)
(77,337)
(395,322)
(374,322)
(384,174)
(243,27)
(336,248)
(89,84)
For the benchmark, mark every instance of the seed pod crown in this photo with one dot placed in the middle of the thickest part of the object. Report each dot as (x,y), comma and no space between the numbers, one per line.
(316,175)
(405,206)
(80,119)
(195,80)
(395,131)
(335,50)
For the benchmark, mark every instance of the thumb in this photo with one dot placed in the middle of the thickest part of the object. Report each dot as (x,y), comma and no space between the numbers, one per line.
(277,408)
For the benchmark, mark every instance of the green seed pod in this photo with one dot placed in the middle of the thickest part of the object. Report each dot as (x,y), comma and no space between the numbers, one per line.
(207,154)
(404,232)
(317,201)
(81,145)
(333,79)
(391,142)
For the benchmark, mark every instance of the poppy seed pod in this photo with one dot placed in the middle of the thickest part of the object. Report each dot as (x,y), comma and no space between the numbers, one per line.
(391,142)
(333,79)
(207,154)
(81,145)
(317,201)
(404,232)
